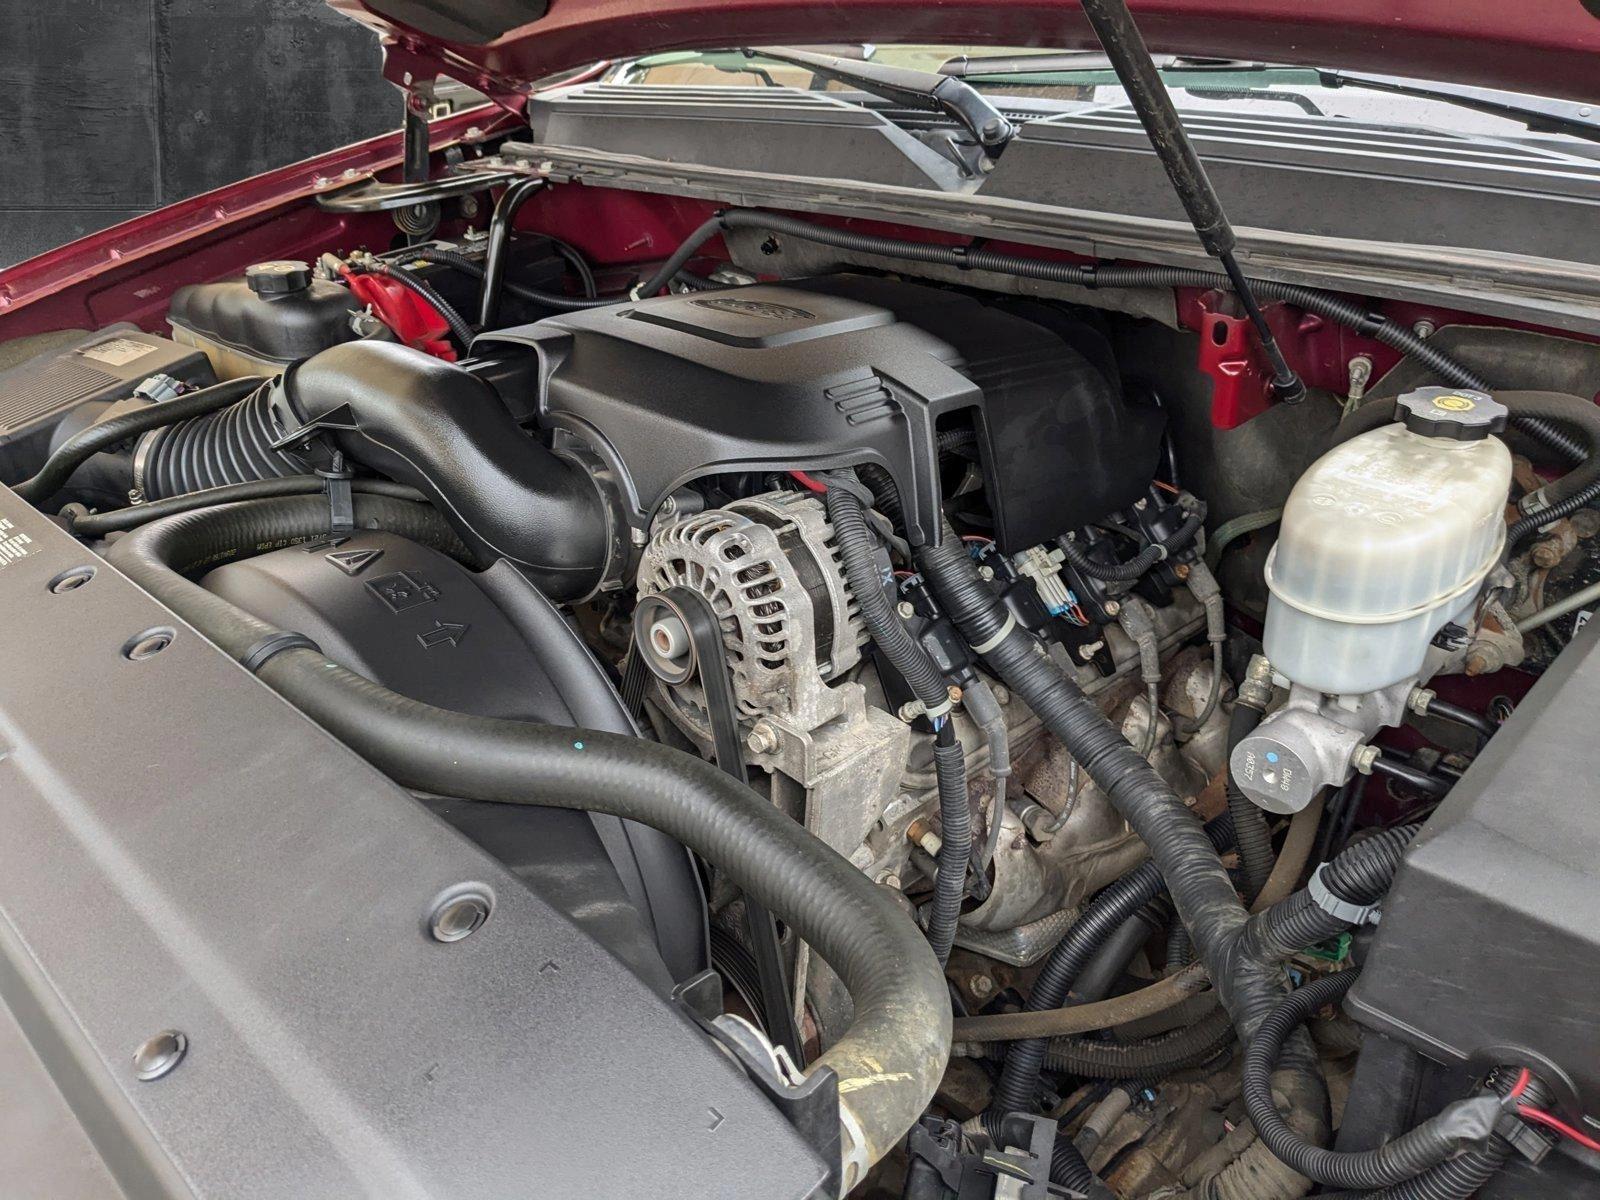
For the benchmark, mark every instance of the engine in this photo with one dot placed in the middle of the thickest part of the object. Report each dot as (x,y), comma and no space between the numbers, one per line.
(933,575)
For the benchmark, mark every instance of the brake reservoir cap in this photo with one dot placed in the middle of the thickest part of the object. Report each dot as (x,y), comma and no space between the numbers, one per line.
(1456,414)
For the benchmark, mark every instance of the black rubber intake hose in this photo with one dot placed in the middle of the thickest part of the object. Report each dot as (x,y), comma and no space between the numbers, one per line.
(466,266)
(80,447)
(1251,833)
(1107,912)
(858,551)
(1325,304)
(1360,875)
(1135,567)
(233,445)
(890,1059)
(87,524)
(442,430)
(1464,1124)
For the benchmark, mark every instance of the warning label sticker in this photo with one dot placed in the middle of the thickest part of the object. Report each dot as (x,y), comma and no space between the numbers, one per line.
(13,545)
(118,352)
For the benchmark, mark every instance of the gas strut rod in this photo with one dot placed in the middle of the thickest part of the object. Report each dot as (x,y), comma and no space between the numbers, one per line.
(1113,25)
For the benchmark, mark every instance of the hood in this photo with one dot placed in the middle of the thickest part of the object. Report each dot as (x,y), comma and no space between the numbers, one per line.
(1544,47)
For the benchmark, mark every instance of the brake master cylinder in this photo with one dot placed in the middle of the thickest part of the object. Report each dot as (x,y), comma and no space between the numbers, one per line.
(1385,542)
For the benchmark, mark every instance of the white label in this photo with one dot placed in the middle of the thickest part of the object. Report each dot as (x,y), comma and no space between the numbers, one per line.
(118,352)
(13,545)
(1583,619)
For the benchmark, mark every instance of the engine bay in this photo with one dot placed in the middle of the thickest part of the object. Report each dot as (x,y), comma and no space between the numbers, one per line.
(916,684)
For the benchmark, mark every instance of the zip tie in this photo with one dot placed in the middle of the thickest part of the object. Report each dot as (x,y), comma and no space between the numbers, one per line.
(1005,632)
(1344,910)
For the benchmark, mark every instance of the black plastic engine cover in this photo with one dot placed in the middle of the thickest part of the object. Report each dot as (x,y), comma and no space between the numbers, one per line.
(1490,939)
(489,644)
(841,371)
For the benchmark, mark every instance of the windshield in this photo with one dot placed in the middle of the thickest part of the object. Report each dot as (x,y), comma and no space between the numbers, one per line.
(1084,79)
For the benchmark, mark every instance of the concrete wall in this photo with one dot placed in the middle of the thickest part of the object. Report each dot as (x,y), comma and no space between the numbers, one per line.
(109,108)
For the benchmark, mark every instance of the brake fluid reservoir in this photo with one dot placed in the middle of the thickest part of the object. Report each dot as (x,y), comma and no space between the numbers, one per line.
(1384,540)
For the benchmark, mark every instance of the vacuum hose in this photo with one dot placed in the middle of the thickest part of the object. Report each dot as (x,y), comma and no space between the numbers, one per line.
(893,1055)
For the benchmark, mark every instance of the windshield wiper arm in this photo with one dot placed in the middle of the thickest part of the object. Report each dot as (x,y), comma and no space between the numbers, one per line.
(983,122)
(1534,112)
(980,65)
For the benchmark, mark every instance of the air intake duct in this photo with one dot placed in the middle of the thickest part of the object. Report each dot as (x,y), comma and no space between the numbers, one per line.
(233,445)
(444,431)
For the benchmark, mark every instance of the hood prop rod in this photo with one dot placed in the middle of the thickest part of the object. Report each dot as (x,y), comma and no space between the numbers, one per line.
(1130,58)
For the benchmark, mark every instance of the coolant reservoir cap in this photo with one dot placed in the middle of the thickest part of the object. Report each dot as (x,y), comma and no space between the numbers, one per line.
(1459,414)
(270,280)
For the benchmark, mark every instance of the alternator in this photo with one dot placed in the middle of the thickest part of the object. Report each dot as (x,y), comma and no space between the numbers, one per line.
(768,567)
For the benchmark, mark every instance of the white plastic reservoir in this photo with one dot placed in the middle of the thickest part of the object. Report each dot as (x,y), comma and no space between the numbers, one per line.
(1384,540)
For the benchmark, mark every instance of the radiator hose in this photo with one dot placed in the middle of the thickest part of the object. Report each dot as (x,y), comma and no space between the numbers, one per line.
(892,1056)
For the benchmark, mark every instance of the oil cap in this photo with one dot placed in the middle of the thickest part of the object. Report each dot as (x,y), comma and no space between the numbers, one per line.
(269,280)
(1459,414)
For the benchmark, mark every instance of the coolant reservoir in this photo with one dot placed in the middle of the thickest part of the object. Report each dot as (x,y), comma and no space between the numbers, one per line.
(1384,540)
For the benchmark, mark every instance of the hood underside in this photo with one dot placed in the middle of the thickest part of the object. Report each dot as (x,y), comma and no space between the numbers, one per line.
(1546,47)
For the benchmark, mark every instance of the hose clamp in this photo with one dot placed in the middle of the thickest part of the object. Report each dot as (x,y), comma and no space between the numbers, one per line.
(1005,632)
(1343,910)
(275,643)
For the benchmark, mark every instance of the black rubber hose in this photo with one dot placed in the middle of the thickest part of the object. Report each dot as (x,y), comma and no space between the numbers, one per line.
(890,1059)
(498,248)
(1460,1178)
(1360,875)
(1111,907)
(955,841)
(1325,304)
(1523,526)
(100,524)
(1412,777)
(1251,832)
(1459,1126)
(1105,968)
(1151,1058)
(459,328)
(1068,1168)
(1135,567)
(443,430)
(1457,715)
(80,447)
(858,553)
(535,295)
(235,445)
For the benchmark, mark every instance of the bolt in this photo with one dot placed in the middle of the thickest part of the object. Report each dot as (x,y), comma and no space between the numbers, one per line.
(1363,759)
(473,133)
(469,207)
(981,986)
(985,573)
(1087,651)
(1140,505)
(1547,553)
(156,1056)
(890,880)
(458,915)
(763,737)
(910,711)
(1424,328)
(906,609)
(1002,694)
(1181,570)
(1419,699)
(955,694)
(1112,608)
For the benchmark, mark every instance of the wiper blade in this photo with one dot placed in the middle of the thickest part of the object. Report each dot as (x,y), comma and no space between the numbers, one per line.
(983,122)
(981,65)
(1534,112)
